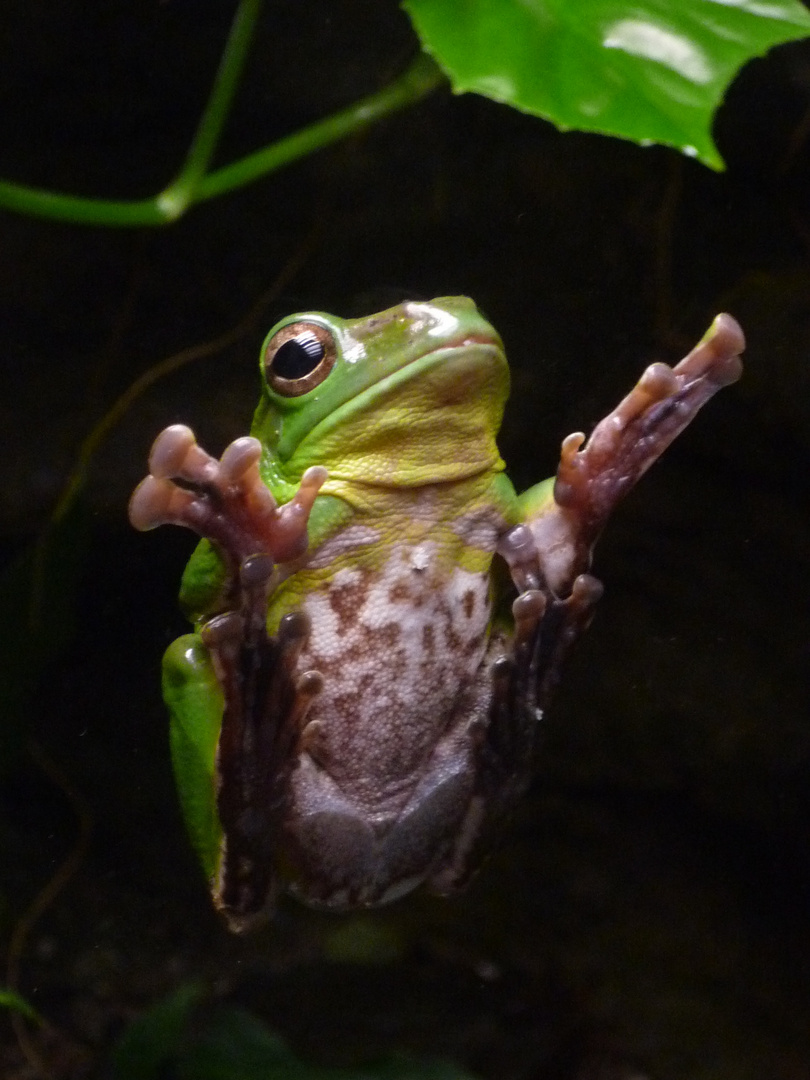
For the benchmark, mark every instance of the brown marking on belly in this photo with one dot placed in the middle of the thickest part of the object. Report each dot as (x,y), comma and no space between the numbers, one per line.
(468,603)
(346,598)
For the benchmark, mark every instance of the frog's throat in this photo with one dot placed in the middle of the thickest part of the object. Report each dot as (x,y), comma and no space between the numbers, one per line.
(433,421)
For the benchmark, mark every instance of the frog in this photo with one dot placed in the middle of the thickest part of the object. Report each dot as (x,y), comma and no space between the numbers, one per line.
(379,618)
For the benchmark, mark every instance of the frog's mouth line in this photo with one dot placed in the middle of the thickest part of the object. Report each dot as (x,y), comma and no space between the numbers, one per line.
(462,343)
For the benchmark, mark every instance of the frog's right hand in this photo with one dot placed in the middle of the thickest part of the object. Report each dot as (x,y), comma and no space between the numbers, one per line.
(225,501)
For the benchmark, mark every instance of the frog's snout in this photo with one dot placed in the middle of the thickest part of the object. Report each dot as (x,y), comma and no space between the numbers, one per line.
(456,303)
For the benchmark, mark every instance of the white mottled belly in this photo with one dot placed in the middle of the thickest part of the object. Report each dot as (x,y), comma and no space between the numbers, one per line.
(399,649)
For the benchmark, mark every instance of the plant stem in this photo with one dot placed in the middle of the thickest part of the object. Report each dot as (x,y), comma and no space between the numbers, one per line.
(177,196)
(82,211)
(420,79)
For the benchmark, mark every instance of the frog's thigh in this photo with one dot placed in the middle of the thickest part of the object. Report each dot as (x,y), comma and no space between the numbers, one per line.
(346,854)
(329,843)
(427,827)
(501,768)
(195,702)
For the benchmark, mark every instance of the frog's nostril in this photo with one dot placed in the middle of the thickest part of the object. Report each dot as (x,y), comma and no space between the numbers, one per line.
(459,303)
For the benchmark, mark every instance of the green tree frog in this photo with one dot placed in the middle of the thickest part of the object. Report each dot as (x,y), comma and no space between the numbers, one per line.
(379,617)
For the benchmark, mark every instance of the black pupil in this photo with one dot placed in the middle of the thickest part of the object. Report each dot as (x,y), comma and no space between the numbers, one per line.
(298,356)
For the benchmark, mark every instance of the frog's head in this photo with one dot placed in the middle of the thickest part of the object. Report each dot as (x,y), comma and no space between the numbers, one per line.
(412,395)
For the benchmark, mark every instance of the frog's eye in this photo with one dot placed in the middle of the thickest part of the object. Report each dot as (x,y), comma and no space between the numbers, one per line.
(299,357)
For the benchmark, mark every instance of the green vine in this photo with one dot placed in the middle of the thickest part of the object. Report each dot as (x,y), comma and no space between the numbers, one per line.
(194,183)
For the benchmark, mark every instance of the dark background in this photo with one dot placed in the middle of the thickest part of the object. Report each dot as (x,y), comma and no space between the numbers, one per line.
(648,907)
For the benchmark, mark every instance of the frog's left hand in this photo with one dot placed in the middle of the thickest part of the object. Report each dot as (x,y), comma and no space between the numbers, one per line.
(592,478)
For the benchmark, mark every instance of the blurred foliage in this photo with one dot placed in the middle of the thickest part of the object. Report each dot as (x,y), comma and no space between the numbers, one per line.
(180,1037)
(11,1000)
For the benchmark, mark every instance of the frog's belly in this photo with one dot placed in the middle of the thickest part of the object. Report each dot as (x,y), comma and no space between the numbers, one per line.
(387,773)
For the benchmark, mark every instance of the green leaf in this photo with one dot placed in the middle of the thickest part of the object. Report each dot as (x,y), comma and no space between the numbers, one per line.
(236,1046)
(151,1042)
(650,71)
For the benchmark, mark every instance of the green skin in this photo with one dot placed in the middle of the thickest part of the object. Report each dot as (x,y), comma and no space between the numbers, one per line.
(359,719)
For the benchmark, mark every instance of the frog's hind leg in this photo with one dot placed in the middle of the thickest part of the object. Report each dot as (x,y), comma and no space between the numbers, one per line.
(237,707)
(194,698)
(265,703)
(523,671)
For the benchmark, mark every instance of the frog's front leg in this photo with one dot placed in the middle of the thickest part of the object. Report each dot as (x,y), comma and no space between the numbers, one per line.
(233,683)
(592,478)
(548,558)
(224,501)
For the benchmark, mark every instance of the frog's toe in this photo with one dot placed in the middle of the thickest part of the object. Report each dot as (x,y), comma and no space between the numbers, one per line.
(156,501)
(518,548)
(239,458)
(176,454)
(717,356)
(170,449)
(287,524)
